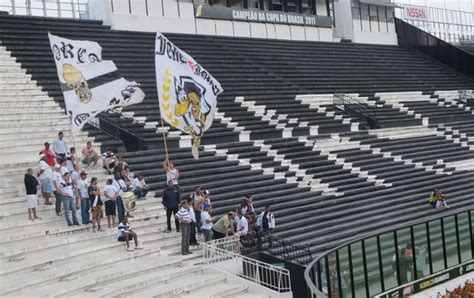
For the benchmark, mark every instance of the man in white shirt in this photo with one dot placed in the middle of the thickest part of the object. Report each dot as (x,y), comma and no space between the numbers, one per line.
(60,146)
(83,192)
(242,225)
(46,180)
(206,227)
(139,187)
(184,220)
(75,177)
(109,160)
(67,195)
(56,179)
(125,233)
(109,202)
(120,187)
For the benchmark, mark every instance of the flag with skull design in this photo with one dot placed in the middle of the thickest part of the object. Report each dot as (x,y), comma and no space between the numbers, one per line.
(90,85)
(186,91)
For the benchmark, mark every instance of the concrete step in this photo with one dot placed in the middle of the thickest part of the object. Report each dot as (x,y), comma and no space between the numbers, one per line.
(53,272)
(32,110)
(28,105)
(178,287)
(25,132)
(5,75)
(223,289)
(25,94)
(12,114)
(156,279)
(113,277)
(41,122)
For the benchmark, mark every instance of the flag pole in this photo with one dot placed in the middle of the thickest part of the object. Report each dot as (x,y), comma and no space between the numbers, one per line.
(164,138)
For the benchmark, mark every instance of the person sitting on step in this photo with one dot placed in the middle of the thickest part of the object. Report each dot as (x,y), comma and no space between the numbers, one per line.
(139,187)
(109,160)
(125,233)
(437,198)
(89,155)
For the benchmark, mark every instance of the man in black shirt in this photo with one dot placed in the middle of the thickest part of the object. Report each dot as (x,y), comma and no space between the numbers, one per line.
(171,201)
(31,185)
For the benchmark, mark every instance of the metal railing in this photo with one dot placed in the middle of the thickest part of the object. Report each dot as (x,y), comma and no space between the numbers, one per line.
(277,247)
(356,108)
(76,9)
(390,258)
(108,125)
(223,255)
(466,96)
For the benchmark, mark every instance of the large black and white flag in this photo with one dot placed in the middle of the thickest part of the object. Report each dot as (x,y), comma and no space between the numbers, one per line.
(187,92)
(90,85)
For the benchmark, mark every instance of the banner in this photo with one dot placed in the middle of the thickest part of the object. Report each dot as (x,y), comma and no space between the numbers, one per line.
(90,85)
(253,15)
(186,91)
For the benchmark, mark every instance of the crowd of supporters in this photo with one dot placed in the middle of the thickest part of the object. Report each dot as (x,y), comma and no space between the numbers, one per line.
(62,176)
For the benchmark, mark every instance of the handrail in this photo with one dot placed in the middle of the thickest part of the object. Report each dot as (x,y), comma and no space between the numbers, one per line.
(281,248)
(313,289)
(355,107)
(133,141)
(223,255)
(466,96)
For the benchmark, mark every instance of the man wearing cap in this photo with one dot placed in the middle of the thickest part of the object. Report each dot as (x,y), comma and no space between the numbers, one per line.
(56,179)
(83,192)
(67,195)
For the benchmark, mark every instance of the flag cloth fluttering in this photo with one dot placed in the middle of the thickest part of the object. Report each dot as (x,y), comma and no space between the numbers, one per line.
(90,85)
(186,91)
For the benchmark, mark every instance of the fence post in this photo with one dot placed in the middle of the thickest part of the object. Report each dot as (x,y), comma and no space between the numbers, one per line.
(59,7)
(13,6)
(28,7)
(45,11)
(73,9)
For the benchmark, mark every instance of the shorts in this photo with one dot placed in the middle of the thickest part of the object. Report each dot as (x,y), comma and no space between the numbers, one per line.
(46,185)
(86,160)
(96,212)
(110,208)
(122,238)
(32,201)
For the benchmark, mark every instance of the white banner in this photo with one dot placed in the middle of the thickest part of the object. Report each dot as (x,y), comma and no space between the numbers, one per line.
(90,85)
(186,91)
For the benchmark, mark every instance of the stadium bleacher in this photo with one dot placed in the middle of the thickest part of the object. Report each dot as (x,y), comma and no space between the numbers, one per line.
(277,133)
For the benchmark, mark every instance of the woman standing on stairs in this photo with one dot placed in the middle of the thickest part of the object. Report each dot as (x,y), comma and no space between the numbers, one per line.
(31,185)
(172,173)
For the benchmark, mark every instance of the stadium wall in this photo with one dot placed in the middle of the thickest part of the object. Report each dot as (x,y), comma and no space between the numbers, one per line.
(180,17)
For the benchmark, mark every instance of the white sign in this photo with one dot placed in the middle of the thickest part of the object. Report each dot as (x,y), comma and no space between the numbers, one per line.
(90,85)
(186,91)
(417,13)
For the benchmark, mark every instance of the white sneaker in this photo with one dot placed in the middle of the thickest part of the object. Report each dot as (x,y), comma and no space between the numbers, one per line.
(130,249)
(139,247)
